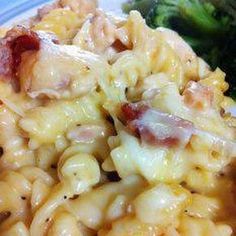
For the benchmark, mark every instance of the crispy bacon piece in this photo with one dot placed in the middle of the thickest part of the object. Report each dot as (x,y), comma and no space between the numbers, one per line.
(17,40)
(155,127)
(197,96)
(133,111)
(4,215)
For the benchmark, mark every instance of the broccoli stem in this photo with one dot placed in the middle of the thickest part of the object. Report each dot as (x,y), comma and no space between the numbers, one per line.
(200,16)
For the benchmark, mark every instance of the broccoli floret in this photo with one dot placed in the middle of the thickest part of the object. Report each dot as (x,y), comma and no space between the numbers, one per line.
(163,14)
(143,6)
(200,16)
(228,6)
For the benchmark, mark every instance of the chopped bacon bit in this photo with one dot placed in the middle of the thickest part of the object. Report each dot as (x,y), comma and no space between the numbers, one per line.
(197,96)
(222,112)
(155,127)
(151,139)
(21,44)
(119,46)
(16,41)
(4,215)
(133,111)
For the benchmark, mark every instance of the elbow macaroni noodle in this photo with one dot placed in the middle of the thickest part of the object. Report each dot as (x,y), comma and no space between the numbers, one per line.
(71,166)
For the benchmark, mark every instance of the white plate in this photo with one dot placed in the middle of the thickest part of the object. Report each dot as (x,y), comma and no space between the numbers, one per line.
(15,11)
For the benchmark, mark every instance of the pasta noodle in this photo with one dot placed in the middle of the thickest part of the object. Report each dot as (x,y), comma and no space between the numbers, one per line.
(15,152)
(110,128)
(47,128)
(96,205)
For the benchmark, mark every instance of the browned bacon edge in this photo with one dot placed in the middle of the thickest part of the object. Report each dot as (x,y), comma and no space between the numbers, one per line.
(180,130)
(17,40)
(133,111)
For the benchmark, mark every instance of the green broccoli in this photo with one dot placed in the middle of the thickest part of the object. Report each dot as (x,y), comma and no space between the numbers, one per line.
(143,6)
(202,17)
